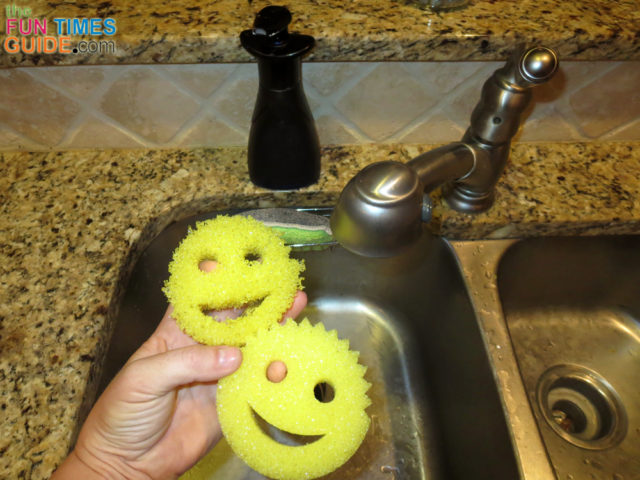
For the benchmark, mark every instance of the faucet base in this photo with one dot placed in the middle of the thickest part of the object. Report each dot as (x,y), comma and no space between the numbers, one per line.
(467,201)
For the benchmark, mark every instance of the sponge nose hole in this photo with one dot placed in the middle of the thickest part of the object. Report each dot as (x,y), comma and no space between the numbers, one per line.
(276,371)
(207,265)
(324,392)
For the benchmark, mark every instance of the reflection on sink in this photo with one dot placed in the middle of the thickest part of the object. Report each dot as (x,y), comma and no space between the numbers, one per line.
(436,412)
(572,307)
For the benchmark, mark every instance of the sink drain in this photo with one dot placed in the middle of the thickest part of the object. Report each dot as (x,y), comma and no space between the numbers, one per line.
(581,407)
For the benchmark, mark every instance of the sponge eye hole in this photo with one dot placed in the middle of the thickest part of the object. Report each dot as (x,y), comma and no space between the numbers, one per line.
(253,258)
(324,392)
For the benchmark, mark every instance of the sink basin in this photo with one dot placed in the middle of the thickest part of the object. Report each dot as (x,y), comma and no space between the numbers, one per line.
(436,411)
(572,309)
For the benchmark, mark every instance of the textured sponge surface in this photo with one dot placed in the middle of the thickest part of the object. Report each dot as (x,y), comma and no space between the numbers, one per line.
(253,271)
(312,356)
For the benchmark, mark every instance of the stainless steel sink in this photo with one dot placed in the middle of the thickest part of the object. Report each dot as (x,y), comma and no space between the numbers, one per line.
(572,309)
(436,411)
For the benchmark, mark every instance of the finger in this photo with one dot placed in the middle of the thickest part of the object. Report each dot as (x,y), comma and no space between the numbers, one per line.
(299,302)
(208,265)
(162,373)
(167,336)
(226,314)
(276,371)
(167,324)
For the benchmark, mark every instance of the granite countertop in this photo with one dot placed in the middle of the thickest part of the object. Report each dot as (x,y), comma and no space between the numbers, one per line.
(195,31)
(73,223)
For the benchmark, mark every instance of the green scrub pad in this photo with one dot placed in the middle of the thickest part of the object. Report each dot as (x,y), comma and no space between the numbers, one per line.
(297,229)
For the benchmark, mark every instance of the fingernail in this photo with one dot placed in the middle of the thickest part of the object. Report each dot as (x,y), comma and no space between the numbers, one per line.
(228,355)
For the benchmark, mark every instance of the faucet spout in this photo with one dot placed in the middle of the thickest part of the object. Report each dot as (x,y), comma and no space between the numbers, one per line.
(382,208)
(443,164)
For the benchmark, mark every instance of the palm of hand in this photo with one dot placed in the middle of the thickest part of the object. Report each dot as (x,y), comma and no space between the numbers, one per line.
(159,433)
(146,427)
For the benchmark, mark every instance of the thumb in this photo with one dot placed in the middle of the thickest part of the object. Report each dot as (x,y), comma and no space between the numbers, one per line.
(164,372)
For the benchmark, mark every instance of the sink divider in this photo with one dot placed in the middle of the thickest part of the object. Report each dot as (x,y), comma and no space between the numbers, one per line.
(478,261)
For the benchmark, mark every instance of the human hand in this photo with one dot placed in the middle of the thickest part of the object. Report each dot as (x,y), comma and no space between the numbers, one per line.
(158,416)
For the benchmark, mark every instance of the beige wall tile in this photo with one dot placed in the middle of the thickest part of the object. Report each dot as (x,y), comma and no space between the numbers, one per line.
(148,105)
(385,101)
(435,129)
(95,133)
(34,109)
(608,102)
(460,103)
(210,131)
(627,133)
(235,101)
(551,127)
(202,80)
(79,81)
(9,141)
(442,77)
(574,75)
(332,131)
(329,78)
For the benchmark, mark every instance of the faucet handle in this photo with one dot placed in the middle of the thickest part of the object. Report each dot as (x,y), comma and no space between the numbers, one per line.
(527,68)
(506,94)
(538,64)
(495,121)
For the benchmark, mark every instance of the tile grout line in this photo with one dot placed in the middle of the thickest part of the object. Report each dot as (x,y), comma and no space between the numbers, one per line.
(616,130)
(331,100)
(106,119)
(207,108)
(331,111)
(86,105)
(27,140)
(446,100)
(563,105)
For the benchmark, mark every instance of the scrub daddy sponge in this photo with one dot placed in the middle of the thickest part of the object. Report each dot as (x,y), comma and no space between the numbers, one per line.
(334,424)
(253,272)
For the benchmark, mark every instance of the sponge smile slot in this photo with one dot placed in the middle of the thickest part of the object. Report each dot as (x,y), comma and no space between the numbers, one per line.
(281,436)
(233,313)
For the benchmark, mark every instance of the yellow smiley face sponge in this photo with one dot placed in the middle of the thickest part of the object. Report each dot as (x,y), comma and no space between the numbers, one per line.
(253,272)
(248,401)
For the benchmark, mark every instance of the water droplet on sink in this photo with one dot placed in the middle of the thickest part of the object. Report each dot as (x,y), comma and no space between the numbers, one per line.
(388,469)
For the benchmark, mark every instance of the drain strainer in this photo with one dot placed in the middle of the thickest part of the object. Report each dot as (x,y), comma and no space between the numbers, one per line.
(581,407)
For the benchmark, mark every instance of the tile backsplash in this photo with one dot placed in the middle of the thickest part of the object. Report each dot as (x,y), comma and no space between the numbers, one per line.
(59,108)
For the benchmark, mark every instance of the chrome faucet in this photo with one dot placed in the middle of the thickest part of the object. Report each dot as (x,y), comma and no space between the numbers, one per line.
(381,209)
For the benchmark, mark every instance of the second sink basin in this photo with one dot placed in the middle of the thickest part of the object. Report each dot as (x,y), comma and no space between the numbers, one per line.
(436,411)
(572,307)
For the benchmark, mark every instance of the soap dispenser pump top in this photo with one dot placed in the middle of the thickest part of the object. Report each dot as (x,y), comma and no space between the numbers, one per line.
(284,151)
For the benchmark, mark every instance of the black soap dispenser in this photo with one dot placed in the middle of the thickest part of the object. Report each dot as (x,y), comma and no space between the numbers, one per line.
(284,152)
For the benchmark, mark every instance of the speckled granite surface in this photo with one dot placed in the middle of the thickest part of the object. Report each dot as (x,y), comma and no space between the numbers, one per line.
(194,31)
(72,223)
